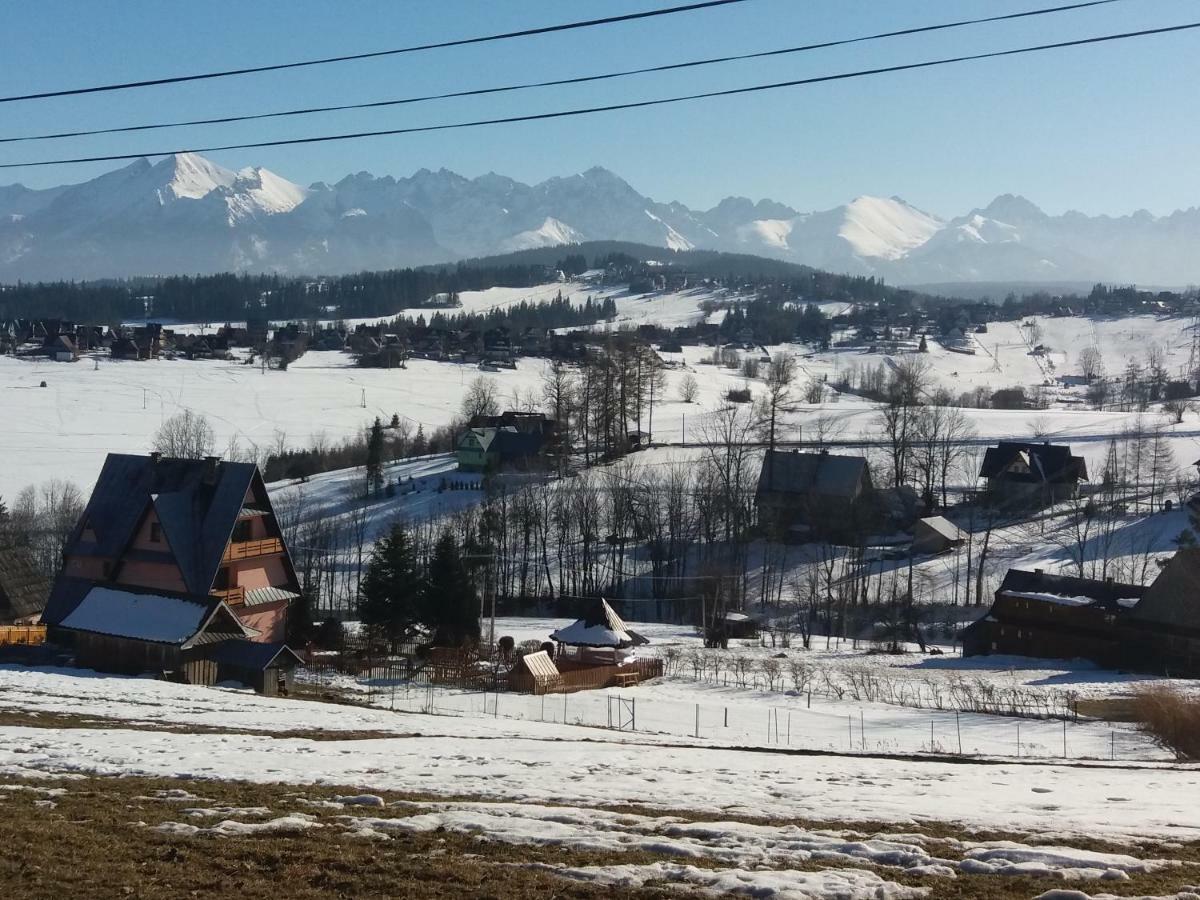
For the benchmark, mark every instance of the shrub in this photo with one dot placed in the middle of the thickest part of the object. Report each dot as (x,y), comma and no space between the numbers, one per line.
(738,395)
(1171,717)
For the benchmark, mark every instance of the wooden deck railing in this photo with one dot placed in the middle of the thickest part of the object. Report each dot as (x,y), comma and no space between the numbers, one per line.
(233,596)
(22,634)
(250,549)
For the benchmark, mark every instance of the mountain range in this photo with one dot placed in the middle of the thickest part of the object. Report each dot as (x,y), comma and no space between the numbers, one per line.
(185,214)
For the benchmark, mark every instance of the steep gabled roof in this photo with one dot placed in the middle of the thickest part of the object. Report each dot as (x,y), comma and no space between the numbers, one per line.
(818,474)
(601,627)
(1173,600)
(254,655)
(197,503)
(1048,463)
(23,590)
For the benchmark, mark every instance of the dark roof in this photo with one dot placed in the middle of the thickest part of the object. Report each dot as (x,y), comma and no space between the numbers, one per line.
(23,589)
(1173,600)
(1102,592)
(822,474)
(253,655)
(197,501)
(1047,463)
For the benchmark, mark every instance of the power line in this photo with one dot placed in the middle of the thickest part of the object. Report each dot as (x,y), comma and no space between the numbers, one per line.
(582,79)
(614,107)
(375,54)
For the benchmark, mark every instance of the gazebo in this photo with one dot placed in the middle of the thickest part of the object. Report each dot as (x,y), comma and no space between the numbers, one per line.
(599,638)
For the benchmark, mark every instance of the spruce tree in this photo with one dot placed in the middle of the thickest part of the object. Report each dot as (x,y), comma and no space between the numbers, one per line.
(451,606)
(375,457)
(388,601)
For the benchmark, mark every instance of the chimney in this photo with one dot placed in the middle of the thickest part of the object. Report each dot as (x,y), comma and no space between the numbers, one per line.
(155,456)
(210,469)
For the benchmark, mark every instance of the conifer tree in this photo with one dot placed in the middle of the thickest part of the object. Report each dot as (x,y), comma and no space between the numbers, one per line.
(451,606)
(389,599)
(375,457)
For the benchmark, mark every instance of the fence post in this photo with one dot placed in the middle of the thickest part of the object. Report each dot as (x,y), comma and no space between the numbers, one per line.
(609,700)
(565,696)
(810,698)
(727,717)
(1064,738)
(543,713)
(1018,739)
(496,706)
(789,728)
(633,714)
(931,735)
(862,729)
(697,721)
(850,728)
(1113,750)
(958,728)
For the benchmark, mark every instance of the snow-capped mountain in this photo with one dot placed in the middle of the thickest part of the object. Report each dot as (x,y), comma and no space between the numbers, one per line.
(186,214)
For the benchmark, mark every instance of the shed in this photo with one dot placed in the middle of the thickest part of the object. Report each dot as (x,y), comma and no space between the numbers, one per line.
(741,626)
(535,673)
(268,668)
(936,534)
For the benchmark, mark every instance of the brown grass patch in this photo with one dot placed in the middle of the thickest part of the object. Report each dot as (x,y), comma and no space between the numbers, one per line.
(1172,718)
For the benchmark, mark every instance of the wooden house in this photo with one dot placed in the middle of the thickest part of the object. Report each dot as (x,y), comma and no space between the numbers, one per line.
(1163,630)
(813,492)
(200,531)
(490,448)
(1028,475)
(1055,617)
(23,590)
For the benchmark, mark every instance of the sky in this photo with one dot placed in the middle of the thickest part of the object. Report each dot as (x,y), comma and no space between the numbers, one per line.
(1102,129)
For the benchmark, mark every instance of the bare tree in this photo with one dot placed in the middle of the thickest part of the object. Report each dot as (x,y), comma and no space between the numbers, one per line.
(1091,363)
(481,399)
(689,388)
(1177,409)
(184,435)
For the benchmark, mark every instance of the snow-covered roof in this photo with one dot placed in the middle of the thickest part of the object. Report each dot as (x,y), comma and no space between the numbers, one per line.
(1051,598)
(146,617)
(602,628)
(944,527)
(541,666)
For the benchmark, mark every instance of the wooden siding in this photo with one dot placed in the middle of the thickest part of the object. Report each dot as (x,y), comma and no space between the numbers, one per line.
(251,549)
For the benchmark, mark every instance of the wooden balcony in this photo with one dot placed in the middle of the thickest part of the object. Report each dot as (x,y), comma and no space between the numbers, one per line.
(233,596)
(251,549)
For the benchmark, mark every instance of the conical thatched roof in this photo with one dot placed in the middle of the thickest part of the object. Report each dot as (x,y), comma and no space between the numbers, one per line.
(601,627)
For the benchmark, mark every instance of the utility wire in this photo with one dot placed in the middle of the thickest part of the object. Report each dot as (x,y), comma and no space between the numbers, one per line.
(582,79)
(439,45)
(614,107)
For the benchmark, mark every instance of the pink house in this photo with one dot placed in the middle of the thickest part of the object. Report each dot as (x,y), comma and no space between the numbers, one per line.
(192,529)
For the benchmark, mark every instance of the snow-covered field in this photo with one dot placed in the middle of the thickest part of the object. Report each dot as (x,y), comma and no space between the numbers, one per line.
(531,762)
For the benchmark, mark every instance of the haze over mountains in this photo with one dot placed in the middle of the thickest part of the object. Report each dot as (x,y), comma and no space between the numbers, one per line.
(185,214)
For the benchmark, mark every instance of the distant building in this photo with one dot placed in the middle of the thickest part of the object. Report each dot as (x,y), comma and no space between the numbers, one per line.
(814,492)
(1147,629)
(1027,475)
(1054,617)
(936,534)
(194,542)
(488,447)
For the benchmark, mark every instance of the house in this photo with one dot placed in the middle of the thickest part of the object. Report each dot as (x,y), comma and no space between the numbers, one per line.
(489,449)
(199,532)
(23,590)
(936,534)
(1163,630)
(813,492)
(268,668)
(1025,475)
(62,349)
(1054,617)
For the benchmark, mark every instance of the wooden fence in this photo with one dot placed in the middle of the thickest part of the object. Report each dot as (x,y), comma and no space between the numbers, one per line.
(27,635)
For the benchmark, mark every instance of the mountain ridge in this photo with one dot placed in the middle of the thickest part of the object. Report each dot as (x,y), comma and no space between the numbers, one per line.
(186,214)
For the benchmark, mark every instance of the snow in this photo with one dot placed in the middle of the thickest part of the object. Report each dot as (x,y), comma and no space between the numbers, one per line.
(551,233)
(195,177)
(148,617)
(581,634)
(1057,599)
(886,228)
(289,824)
(782,884)
(773,233)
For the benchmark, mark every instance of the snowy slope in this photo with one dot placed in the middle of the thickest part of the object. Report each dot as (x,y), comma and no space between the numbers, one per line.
(551,233)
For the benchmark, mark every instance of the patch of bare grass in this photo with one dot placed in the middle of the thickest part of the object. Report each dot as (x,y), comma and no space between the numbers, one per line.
(1172,718)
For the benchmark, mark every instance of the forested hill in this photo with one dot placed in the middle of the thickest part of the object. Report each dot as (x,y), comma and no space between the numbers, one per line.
(234,297)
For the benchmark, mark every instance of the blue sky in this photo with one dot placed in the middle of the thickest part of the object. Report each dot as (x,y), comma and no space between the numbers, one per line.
(1106,129)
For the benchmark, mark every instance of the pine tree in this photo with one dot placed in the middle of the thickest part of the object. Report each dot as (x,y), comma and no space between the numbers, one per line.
(389,599)
(420,446)
(375,457)
(451,606)
(300,626)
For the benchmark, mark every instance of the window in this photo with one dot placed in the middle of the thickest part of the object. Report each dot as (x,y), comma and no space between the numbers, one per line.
(241,531)
(155,533)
